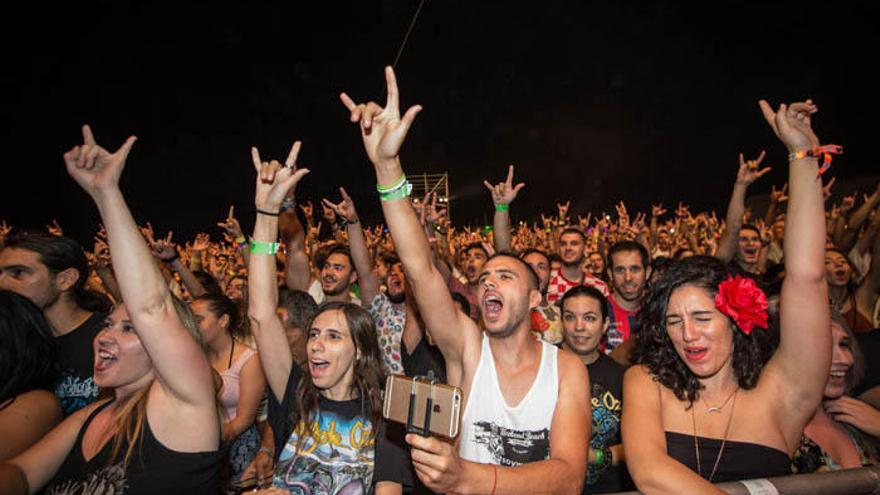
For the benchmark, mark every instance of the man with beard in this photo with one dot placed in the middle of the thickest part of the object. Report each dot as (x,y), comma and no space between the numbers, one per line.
(502,448)
(629,270)
(546,321)
(570,274)
(392,312)
(51,271)
(475,256)
(748,250)
(337,269)
(596,265)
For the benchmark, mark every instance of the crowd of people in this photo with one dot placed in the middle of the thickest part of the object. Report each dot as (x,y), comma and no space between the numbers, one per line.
(744,345)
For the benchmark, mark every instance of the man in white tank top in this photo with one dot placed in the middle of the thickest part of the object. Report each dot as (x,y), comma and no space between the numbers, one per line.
(526,424)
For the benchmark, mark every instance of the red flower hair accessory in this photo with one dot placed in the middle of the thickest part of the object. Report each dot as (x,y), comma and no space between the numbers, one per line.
(741,299)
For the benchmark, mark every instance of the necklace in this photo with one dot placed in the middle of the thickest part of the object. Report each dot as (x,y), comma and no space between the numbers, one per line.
(710,409)
(723,440)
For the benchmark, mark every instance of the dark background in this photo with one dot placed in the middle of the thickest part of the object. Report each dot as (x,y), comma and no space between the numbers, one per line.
(593,101)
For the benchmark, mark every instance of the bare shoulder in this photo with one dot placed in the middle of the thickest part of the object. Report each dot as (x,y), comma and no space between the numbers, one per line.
(571,369)
(42,402)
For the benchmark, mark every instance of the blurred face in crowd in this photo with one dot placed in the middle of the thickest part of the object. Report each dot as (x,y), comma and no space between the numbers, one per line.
(331,355)
(779,229)
(121,362)
(701,335)
(236,288)
(583,325)
(296,337)
(841,361)
(541,265)
(664,240)
(838,271)
(396,283)
(475,258)
(628,275)
(571,248)
(749,246)
(210,325)
(506,295)
(595,264)
(337,274)
(22,272)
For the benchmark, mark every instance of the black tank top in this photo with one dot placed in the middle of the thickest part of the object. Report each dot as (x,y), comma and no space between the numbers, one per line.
(740,460)
(152,468)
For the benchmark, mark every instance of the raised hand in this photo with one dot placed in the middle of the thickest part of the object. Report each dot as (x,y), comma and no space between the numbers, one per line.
(382,129)
(505,192)
(308,210)
(826,189)
(55,229)
(657,210)
(94,168)
(202,242)
(791,123)
(779,195)
(231,224)
(344,208)
(5,230)
(847,203)
(433,215)
(563,210)
(682,211)
(749,171)
(164,249)
(274,180)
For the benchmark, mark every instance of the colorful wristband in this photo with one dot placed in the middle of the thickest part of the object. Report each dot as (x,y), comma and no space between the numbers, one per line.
(824,151)
(501,207)
(600,456)
(258,247)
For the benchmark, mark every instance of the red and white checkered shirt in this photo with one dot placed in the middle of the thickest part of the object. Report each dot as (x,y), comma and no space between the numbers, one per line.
(559,285)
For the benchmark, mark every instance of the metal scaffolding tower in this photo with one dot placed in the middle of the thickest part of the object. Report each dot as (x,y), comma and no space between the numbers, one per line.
(433,183)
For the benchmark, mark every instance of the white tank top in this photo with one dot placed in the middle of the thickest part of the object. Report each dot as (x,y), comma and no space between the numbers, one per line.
(495,433)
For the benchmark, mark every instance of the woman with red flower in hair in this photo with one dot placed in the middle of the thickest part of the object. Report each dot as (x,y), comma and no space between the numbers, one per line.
(706,402)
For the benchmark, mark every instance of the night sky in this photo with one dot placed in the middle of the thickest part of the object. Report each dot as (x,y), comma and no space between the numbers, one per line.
(593,101)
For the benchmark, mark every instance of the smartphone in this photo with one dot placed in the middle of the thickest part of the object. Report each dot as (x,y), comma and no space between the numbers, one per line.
(424,407)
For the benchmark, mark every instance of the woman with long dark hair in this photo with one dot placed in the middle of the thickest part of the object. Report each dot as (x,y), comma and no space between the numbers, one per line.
(699,406)
(329,433)
(28,408)
(159,432)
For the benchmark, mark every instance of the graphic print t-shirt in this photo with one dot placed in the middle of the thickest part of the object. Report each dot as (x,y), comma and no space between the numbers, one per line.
(339,456)
(606,399)
(75,388)
(620,327)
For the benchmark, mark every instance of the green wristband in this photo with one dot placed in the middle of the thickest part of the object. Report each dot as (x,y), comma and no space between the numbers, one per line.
(402,191)
(397,184)
(600,456)
(500,207)
(258,247)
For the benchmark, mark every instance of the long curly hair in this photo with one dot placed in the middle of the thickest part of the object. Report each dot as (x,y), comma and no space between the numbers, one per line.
(368,376)
(654,349)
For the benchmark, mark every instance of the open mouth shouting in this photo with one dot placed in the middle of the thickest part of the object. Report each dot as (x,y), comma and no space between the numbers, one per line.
(318,367)
(492,305)
(104,359)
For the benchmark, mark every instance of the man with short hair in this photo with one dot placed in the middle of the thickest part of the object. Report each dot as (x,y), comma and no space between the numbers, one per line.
(571,274)
(51,271)
(628,269)
(526,388)
(337,269)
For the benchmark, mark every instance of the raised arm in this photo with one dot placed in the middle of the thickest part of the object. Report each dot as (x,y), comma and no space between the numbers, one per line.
(297,274)
(503,194)
(798,371)
(383,131)
(748,173)
(166,251)
(357,244)
(181,366)
(273,182)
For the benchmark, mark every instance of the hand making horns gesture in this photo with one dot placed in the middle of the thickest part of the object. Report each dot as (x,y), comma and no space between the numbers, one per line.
(383,129)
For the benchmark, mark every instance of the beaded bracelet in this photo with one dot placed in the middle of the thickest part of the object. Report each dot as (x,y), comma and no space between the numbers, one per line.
(258,247)
(824,151)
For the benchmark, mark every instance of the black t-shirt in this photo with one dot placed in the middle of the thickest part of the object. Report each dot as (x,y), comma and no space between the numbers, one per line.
(606,398)
(152,468)
(869,342)
(425,357)
(75,388)
(342,452)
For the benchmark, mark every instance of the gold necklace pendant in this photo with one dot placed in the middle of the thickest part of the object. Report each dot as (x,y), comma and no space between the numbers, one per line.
(718,409)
